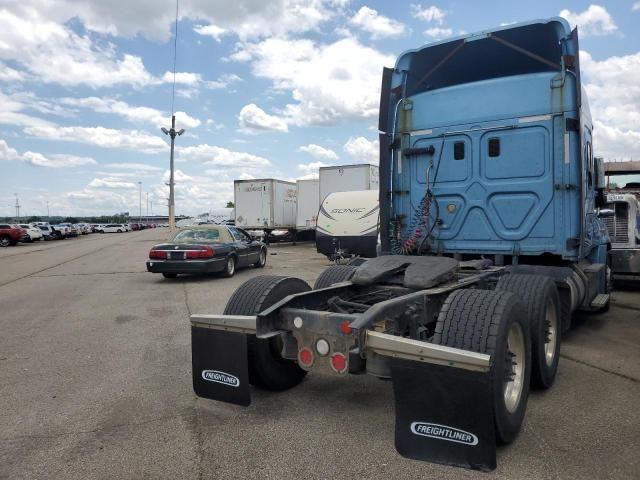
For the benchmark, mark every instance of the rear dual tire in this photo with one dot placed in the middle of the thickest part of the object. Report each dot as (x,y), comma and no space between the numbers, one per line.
(267,368)
(542,304)
(494,323)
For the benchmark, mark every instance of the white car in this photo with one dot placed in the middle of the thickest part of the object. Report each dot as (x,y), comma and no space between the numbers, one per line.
(114,228)
(34,232)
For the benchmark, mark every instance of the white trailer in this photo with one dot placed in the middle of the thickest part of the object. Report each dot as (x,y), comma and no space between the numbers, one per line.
(265,204)
(308,204)
(348,178)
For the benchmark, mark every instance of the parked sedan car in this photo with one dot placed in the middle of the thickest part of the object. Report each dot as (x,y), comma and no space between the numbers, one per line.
(206,249)
(33,233)
(11,234)
(113,228)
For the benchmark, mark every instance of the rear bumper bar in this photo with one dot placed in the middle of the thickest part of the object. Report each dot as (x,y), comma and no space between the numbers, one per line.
(380,343)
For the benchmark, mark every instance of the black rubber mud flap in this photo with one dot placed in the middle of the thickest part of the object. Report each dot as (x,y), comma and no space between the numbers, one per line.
(220,365)
(444,415)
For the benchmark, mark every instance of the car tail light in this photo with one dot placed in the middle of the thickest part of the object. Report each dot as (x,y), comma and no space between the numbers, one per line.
(338,362)
(204,252)
(157,254)
(305,357)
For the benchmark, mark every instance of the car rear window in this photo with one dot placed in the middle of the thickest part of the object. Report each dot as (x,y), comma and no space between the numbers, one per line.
(198,236)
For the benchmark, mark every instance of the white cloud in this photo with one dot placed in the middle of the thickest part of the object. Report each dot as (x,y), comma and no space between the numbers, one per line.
(635,7)
(363,150)
(594,21)
(102,137)
(134,166)
(56,54)
(111,183)
(310,170)
(221,157)
(438,32)
(39,160)
(614,96)
(253,119)
(11,112)
(178,176)
(318,152)
(328,82)
(428,14)
(152,116)
(8,74)
(377,25)
(212,31)
(184,78)
(224,81)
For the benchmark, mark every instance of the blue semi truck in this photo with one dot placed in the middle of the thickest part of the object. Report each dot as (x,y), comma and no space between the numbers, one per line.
(491,240)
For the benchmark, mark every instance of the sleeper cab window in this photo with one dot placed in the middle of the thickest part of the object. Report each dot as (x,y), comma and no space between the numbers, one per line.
(458,151)
(494,147)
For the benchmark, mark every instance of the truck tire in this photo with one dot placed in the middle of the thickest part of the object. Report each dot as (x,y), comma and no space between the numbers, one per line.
(494,323)
(334,274)
(267,368)
(542,304)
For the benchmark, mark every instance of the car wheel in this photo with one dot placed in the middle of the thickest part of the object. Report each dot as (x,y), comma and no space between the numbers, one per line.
(495,323)
(267,368)
(5,241)
(262,260)
(119,231)
(169,275)
(230,267)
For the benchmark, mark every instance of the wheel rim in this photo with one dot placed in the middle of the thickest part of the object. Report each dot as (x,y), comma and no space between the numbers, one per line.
(231,265)
(551,334)
(514,368)
(4,242)
(263,258)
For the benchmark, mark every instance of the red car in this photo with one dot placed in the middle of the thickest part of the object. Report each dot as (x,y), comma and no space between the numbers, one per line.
(10,235)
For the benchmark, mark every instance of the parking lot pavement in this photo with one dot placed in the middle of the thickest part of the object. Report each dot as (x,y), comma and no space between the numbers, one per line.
(95,383)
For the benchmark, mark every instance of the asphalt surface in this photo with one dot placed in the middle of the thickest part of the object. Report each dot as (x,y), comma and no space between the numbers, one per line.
(95,383)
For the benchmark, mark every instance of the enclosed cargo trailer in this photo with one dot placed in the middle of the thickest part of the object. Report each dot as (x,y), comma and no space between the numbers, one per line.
(348,178)
(307,205)
(266,204)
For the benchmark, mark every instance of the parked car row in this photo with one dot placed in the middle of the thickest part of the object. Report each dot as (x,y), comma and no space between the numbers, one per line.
(11,234)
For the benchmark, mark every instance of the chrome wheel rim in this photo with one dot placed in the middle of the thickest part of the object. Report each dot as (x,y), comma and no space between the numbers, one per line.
(4,242)
(551,334)
(514,368)
(263,258)
(231,265)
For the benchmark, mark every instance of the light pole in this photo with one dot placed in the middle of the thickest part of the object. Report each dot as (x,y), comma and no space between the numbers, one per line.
(172,206)
(147,207)
(140,212)
(48,216)
(17,208)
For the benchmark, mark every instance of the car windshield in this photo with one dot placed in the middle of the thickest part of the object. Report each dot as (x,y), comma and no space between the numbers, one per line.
(198,236)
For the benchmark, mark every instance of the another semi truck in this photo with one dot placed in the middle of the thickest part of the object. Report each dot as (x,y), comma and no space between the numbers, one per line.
(491,239)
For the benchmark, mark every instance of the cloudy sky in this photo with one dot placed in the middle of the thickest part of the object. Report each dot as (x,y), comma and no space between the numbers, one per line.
(264,89)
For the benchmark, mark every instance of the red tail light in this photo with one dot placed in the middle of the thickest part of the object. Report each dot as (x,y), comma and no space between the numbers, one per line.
(338,362)
(157,254)
(204,252)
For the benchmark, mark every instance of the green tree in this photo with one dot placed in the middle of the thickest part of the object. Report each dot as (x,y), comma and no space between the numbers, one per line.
(34,219)
(231,205)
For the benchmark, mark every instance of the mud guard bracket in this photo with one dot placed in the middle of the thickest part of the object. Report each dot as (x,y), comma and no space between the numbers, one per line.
(444,415)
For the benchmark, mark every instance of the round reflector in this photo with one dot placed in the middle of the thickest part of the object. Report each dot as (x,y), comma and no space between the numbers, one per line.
(338,362)
(305,356)
(322,347)
(345,328)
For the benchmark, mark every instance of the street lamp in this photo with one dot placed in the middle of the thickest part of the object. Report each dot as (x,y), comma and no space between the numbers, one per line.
(172,206)
(140,212)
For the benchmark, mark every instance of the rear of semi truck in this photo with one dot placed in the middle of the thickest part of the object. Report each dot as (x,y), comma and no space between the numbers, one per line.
(491,238)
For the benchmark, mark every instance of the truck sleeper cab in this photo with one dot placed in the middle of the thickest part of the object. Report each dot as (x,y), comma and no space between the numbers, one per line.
(490,237)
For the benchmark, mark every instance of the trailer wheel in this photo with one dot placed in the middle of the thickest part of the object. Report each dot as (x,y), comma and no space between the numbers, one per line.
(493,322)
(542,303)
(334,274)
(267,368)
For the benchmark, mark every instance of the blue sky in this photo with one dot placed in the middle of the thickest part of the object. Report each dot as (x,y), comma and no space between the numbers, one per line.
(264,89)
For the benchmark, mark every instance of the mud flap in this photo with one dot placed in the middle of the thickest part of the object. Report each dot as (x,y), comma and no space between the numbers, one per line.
(220,365)
(444,415)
